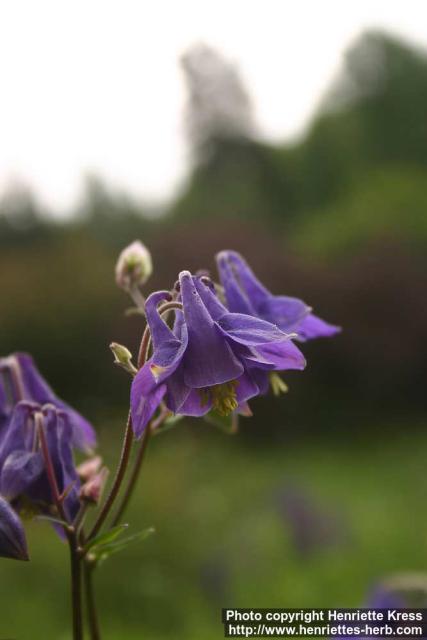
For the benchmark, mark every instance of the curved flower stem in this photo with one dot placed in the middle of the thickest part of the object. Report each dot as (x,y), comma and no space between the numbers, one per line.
(126,449)
(138,298)
(92,616)
(50,471)
(142,357)
(80,517)
(120,473)
(118,480)
(133,478)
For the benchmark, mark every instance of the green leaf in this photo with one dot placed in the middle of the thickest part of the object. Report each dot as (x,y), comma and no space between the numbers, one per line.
(103,551)
(106,538)
(53,520)
(227,424)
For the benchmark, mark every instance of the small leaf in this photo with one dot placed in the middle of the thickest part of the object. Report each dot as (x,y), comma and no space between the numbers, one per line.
(104,551)
(227,424)
(53,520)
(105,538)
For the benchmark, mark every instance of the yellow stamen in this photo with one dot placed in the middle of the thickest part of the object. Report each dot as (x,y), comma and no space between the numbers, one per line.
(277,384)
(223,396)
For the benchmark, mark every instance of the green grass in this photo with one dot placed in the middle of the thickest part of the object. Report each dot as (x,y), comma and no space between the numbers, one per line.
(221,541)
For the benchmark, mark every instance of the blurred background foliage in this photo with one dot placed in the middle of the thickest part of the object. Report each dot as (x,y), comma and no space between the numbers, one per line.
(338,218)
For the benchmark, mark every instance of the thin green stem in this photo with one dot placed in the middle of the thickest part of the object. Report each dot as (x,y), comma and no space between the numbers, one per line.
(92,615)
(120,473)
(138,298)
(80,517)
(76,587)
(142,358)
(119,477)
(133,478)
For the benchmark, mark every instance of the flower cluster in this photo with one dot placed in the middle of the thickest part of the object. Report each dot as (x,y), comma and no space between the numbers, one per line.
(31,415)
(226,344)
(208,348)
(225,347)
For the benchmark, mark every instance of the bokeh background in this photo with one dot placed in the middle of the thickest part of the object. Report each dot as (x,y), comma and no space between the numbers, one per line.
(322,494)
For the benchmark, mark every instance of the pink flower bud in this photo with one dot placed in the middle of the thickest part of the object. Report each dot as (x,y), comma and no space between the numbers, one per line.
(134,266)
(88,468)
(92,490)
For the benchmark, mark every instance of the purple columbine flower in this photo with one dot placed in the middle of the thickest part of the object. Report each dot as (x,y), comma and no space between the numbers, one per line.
(21,380)
(244,293)
(12,536)
(207,361)
(23,478)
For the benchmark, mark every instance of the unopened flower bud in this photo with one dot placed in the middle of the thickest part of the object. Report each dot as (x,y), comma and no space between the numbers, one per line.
(88,468)
(12,536)
(92,490)
(134,266)
(123,357)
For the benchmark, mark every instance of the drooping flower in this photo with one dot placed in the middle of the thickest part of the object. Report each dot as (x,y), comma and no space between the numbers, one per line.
(244,293)
(207,361)
(23,478)
(13,543)
(21,380)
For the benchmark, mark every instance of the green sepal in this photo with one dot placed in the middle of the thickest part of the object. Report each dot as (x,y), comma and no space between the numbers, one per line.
(53,520)
(105,538)
(103,551)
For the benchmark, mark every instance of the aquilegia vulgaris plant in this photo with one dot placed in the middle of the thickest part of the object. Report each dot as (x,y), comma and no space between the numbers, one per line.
(208,348)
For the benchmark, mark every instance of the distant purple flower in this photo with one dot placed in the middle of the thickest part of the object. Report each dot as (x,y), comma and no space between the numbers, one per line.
(384,597)
(214,576)
(21,380)
(12,536)
(23,478)
(245,294)
(311,527)
(208,359)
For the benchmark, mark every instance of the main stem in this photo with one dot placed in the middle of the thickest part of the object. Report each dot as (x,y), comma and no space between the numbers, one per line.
(76,587)
(92,615)
(70,532)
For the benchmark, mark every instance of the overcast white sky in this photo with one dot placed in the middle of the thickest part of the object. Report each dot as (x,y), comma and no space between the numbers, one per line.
(90,85)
